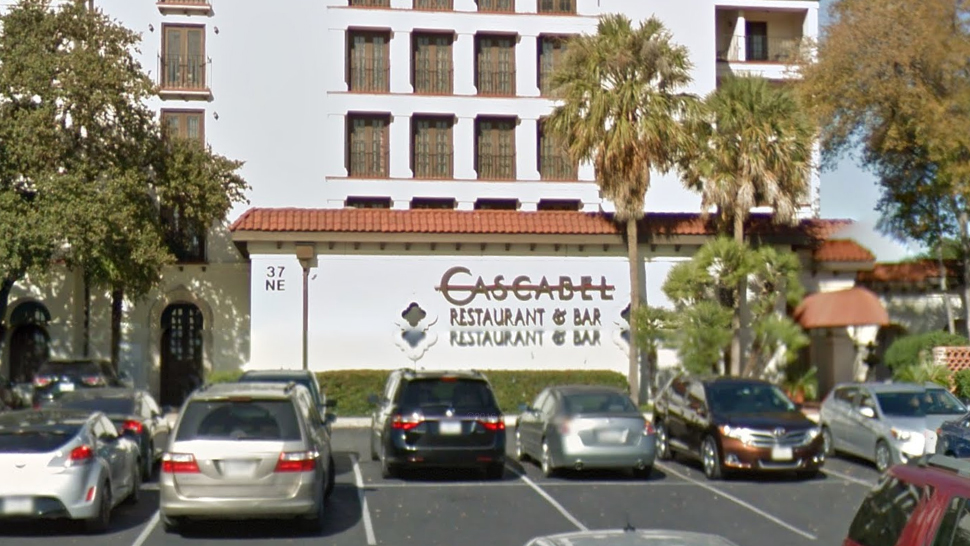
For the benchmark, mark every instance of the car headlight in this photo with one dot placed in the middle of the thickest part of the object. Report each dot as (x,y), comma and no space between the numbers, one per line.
(902,435)
(738,433)
(812,433)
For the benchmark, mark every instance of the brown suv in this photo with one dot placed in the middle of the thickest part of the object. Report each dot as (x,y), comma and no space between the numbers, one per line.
(734,424)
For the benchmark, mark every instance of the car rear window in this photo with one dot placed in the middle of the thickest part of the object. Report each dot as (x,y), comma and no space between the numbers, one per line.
(598,402)
(106,405)
(457,393)
(239,420)
(884,513)
(72,369)
(34,441)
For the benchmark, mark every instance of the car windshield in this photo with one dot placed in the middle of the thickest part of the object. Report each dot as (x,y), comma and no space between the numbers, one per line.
(74,370)
(455,393)
(598,402)
(728,398)
(34,441)
(919,404)
(239,420)
(106,405)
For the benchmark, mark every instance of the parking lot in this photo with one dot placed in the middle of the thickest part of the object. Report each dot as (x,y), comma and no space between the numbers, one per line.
(460,509)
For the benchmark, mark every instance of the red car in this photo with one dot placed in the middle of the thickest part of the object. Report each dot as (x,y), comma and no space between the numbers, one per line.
(923,503)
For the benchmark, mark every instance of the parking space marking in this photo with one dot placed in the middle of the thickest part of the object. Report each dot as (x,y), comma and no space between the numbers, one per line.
(848,478)
(364,510)
(147,530)
(436,485)
(555,504)
(740,502)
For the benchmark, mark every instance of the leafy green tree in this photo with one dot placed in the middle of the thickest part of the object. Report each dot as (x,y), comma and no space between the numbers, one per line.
(622,108)
(773,286)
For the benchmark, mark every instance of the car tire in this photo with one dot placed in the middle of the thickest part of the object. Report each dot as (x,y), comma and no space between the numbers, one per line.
(883,456)
(374,456)
(148,464)
(331,479)
(388,470)
(520,453)
(548,470)
(663,442)
(172,525)
(711,459)
(643,473)
(495,471)
(135,495)
(99,523)
(828,442)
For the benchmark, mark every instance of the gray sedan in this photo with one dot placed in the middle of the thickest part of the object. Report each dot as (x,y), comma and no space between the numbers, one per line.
(631,537)
(65,464)
(585,427)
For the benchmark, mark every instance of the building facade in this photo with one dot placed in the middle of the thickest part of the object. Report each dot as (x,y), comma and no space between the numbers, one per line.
(430,112)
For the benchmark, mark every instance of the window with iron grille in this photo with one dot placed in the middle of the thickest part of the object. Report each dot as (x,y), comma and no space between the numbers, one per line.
(554,161)
(439,5)
(495,66)
(368,62)
(183,60)
(367,143)
(495,148)
(432,148)
(432,64)
(433,203)
(551,52)
(371,3)
(356,202)
(557,6)
(188,124)
(497,204)
(496,6)
(559,205)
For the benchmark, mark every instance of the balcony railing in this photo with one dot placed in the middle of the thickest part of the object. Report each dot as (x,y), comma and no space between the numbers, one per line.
(369,80)
(496,167)
(496,6)
(557,7)
(187,7)
(368,165)
(434,166)
(371,3)
(496,82)
(437,5)
(557,167)
(433,82)
(761,49)
(184,74)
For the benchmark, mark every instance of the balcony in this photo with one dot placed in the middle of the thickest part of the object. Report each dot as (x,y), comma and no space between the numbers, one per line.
(368,165)
(433,5)
(369,80)
(370,3)
(185,7)
(496,83)
(759,49)
(184,77)
(433,166)
(496,6)
(496,166)
(433,82)
(557,167)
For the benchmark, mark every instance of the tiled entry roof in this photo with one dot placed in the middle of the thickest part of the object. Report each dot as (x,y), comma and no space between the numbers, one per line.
(843,250)
(909,272)
(352,220)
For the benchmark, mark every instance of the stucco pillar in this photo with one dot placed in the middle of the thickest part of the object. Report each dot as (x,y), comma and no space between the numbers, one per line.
(526,67)
(740,37)
(400,62)
(526,144)
(400,147)
(464,139)
(464,55)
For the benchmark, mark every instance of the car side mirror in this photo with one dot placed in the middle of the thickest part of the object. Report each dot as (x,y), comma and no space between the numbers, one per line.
(373,400)
(867,412)
(329,419)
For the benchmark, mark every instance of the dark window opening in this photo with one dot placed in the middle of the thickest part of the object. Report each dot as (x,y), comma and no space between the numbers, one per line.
(559,204)
(433,203)
(497,204)
(368,202)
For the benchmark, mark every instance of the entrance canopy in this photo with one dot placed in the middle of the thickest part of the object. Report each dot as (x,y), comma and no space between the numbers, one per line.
(852,307)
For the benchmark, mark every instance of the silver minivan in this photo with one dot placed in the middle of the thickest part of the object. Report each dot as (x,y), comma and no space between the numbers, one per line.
(247,450)
(886,423)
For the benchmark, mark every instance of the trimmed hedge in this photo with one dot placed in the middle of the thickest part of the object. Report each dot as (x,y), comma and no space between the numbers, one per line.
(907,350)
(350,388)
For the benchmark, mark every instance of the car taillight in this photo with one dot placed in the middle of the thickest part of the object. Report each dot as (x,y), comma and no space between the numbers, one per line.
(179,463)
(406,422)
(132,426)
(493,423)
(296,461)
(92,380)
(80,455)
(41,381)
(648,428)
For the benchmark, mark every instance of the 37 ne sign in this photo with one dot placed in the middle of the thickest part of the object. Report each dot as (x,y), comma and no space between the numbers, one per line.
(274,278)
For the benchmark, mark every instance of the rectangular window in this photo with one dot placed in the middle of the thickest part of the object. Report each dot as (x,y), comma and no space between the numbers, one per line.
(368,202)
(496,204)
(756,40)
(496,6)
(371,3)
(885,512)
(554,161)
(368,62)
(189,124)
(559,204)
(433,203)
(432,148)
(495,149)
(495,66)
(437,5)
(432,64)
(551,51)
(367,143)
(183,57)
(557,7)
(955,527)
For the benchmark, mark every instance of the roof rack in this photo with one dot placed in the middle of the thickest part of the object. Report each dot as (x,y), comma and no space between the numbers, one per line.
(960,466)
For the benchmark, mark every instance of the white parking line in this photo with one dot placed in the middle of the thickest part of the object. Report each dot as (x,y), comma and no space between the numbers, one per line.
(143,536)
(848,478)
(584,484)
(579,525)
(739,502)
(365,511)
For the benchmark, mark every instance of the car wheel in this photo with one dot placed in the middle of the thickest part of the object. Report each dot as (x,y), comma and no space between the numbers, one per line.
(643,473)
(331,479)
(149,464)
(171,525)
(387,469)
(373,448)
(520,453)
(884,457)
(548,470)
(663,442)
(495,471)
(99,522)
(828,443)
(313,525)
(135,495)
(711,458)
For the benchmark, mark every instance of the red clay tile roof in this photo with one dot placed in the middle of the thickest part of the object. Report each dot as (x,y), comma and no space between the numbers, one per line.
(842,250)
(351,220)
(907,272)
(851,307)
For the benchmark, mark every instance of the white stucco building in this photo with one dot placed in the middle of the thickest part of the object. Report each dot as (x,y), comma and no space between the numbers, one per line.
(432,111)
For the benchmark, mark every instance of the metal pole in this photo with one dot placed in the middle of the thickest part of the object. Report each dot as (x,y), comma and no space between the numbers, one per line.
(306,311)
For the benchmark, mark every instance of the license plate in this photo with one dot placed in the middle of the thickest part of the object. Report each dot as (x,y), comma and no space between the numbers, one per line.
(782,454)
(236,469)
(611,436)
(65,387)
(449,427)
(18,505)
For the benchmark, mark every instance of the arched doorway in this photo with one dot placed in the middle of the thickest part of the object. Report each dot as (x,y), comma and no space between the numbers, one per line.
(29,340)
(181,352)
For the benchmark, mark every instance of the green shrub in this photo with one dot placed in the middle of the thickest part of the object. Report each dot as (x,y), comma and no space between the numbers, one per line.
(926,372)
(913,349)
(222,376)
(962,381)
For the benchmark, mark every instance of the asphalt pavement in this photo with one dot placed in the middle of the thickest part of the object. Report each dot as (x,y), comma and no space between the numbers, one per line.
(460,509)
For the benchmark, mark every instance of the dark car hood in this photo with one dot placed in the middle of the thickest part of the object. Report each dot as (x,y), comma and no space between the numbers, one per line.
(793,420)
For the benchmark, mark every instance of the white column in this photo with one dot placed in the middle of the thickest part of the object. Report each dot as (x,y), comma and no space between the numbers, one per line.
(463,57)
(526,6)
(335,152)
(464,142)
(740,37)
(402,4)
(401,62)
(526,67)
(526,149)
(400,147)
(465,5)
(335,61)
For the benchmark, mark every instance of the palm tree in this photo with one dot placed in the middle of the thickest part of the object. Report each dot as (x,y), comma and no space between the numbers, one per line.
(621,109)
(752,148)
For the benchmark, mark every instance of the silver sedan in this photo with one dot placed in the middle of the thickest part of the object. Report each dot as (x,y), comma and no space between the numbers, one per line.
(65,464)
(585,427)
